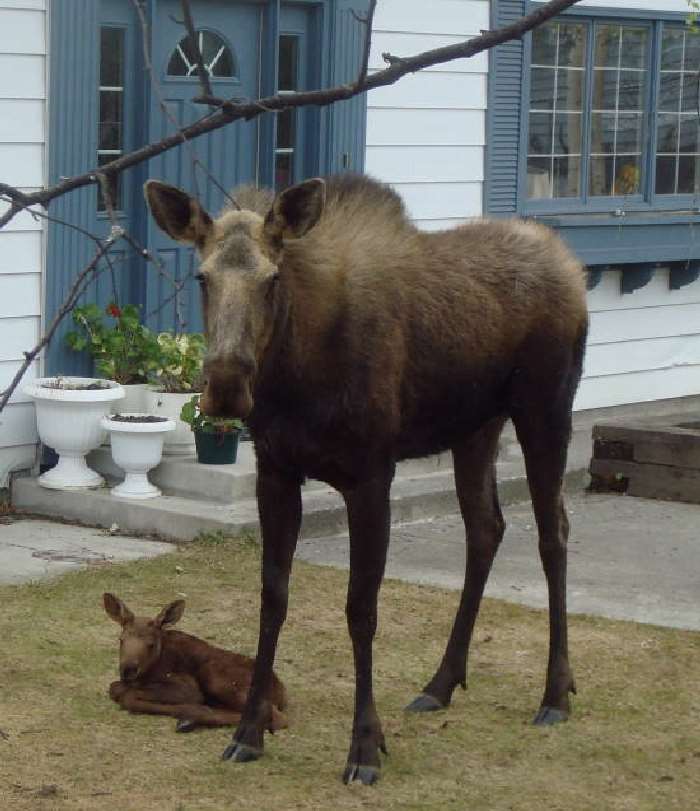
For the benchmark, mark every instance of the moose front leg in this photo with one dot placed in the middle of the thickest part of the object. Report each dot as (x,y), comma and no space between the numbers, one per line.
(368,522)
(279,505)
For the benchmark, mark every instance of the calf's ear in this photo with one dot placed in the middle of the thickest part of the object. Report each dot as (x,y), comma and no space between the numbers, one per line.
(295,210)
(116,609)
(171,613)
(178,214)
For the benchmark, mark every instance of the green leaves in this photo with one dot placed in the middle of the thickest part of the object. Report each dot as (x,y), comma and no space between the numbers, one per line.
(192,415)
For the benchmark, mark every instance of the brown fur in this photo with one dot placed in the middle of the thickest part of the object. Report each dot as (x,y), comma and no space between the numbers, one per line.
(350,340)
(166,672)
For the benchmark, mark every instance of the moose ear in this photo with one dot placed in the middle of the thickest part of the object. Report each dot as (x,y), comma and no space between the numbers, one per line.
(296,210)
(178,214)
(116,609)
(171,613)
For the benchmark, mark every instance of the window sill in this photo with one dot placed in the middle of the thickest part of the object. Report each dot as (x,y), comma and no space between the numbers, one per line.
(609,220)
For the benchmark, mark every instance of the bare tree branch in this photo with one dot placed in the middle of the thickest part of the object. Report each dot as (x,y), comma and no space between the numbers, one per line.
(202,72)
(234,111)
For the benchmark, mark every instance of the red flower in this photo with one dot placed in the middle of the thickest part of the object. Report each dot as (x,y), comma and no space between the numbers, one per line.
(113,310)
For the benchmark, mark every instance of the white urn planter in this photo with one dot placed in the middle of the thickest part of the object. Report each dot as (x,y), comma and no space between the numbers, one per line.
(137,447)
(179,442)
(134,402)
(68,416)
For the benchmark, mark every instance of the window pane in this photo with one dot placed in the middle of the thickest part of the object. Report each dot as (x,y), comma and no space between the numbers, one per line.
(689,135)
(688,174)
(602,133)
(629,133)
(607,46)
(285,129)
(567,134)
(690,92)
(111,57)
(605,89)
(539,178)
(572,44)
(666,175)
(544,44)
(632,90)
(628,173)
(669,92)
(567,173)
(288,63)
(692,51)
(542,89)
(569,89)
(283,170)
(216,55)
(601,180)
(540,135)
(633,53)
(113,183)
(667,133)
(672,48)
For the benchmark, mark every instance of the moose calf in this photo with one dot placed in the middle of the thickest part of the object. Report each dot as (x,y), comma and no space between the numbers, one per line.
(165,672)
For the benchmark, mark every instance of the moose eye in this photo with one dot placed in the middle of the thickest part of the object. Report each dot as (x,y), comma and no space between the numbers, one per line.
(272,283)
(201,278)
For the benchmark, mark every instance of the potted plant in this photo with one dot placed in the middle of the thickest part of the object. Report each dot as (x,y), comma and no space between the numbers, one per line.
(216,438)
(123,348)
(68,414)
(176,379)
(137,447)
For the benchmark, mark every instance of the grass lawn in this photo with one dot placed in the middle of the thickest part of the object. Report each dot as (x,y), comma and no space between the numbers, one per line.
(633,741)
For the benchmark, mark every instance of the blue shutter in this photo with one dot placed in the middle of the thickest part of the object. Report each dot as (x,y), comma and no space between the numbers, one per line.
(348,119)
(504,110)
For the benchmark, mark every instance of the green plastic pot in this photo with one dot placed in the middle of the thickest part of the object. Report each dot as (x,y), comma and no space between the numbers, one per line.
(216,449)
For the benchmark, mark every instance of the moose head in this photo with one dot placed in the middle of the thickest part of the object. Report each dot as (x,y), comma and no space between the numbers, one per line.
(141,640)
(241,279)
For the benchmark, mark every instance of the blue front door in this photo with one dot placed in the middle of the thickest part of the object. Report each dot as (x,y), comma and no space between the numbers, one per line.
(105,102)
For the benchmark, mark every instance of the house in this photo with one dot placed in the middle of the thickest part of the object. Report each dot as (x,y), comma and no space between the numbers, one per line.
(589,125)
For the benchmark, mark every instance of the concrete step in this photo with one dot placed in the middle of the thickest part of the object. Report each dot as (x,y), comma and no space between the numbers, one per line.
(185,476)
(413,498)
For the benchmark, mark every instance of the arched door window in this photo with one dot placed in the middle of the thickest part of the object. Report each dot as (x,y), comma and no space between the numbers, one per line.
(219,59)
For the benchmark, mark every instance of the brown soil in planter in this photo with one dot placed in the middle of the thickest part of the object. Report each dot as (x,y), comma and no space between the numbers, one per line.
(137,418)
(61,386)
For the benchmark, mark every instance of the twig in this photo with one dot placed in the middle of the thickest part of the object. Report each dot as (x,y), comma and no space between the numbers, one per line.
(234,111)
(202,72)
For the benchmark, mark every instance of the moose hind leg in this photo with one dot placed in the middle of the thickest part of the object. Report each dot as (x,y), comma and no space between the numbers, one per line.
(368,521)
(544,440)
(475,477)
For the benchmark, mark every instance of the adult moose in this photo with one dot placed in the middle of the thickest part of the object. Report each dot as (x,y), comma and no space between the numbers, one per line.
(349,340)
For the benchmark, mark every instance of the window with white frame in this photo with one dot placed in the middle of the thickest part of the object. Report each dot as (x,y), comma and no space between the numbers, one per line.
(612,113)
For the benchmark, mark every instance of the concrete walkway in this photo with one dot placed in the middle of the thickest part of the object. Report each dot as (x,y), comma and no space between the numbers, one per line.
(35,549)
(629,558)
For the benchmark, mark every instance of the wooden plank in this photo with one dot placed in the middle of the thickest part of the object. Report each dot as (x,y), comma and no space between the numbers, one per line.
(17,335)
(22,31)
(20,252)
(457,17)
(22,121)
(430,201)
(20,294)
(433,91)
(17,425)
(22,76)
(426,164)
(397,127)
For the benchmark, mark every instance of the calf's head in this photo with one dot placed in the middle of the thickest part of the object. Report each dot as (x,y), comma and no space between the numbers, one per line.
(241,279)
(141,640)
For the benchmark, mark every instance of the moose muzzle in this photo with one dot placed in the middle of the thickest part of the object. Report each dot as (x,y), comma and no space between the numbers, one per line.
(227,393)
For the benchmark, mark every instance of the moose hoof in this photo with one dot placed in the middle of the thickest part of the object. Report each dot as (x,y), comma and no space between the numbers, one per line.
(240,752)
(367,775)
(548,716)
(425,703)
(185,725)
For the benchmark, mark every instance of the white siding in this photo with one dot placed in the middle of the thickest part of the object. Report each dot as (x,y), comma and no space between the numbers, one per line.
(22,164)
(642,346)
(426,134)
